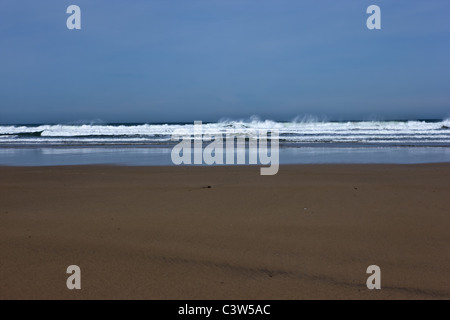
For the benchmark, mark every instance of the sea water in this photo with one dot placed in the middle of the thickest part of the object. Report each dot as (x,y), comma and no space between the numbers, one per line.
(414,141)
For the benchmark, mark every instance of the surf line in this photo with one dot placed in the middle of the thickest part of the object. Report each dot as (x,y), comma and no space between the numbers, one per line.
(214,153)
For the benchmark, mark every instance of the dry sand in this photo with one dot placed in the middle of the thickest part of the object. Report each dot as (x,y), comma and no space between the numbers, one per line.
(309,232)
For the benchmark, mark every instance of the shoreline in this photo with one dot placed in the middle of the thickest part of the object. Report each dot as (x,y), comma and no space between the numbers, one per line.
(256,167)
(225,232)
(323,164)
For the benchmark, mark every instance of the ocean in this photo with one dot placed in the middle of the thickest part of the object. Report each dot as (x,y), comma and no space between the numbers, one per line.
(414,141)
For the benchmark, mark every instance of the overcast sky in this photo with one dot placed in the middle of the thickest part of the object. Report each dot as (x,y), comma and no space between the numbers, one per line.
(185,60)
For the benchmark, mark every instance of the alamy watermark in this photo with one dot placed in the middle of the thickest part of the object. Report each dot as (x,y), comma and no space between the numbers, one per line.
(227,147)
(74,20)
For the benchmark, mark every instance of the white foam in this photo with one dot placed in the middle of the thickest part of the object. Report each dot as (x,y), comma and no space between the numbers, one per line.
(299,130)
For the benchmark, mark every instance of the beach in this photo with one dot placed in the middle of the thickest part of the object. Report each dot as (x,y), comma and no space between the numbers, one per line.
(225,232)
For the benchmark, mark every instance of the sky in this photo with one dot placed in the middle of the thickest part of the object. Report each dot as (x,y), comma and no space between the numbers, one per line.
(186,60)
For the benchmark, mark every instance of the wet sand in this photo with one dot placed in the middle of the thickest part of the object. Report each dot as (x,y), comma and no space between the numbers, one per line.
(309,232)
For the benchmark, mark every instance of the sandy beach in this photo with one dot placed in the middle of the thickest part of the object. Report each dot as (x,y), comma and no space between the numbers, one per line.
(309,232)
